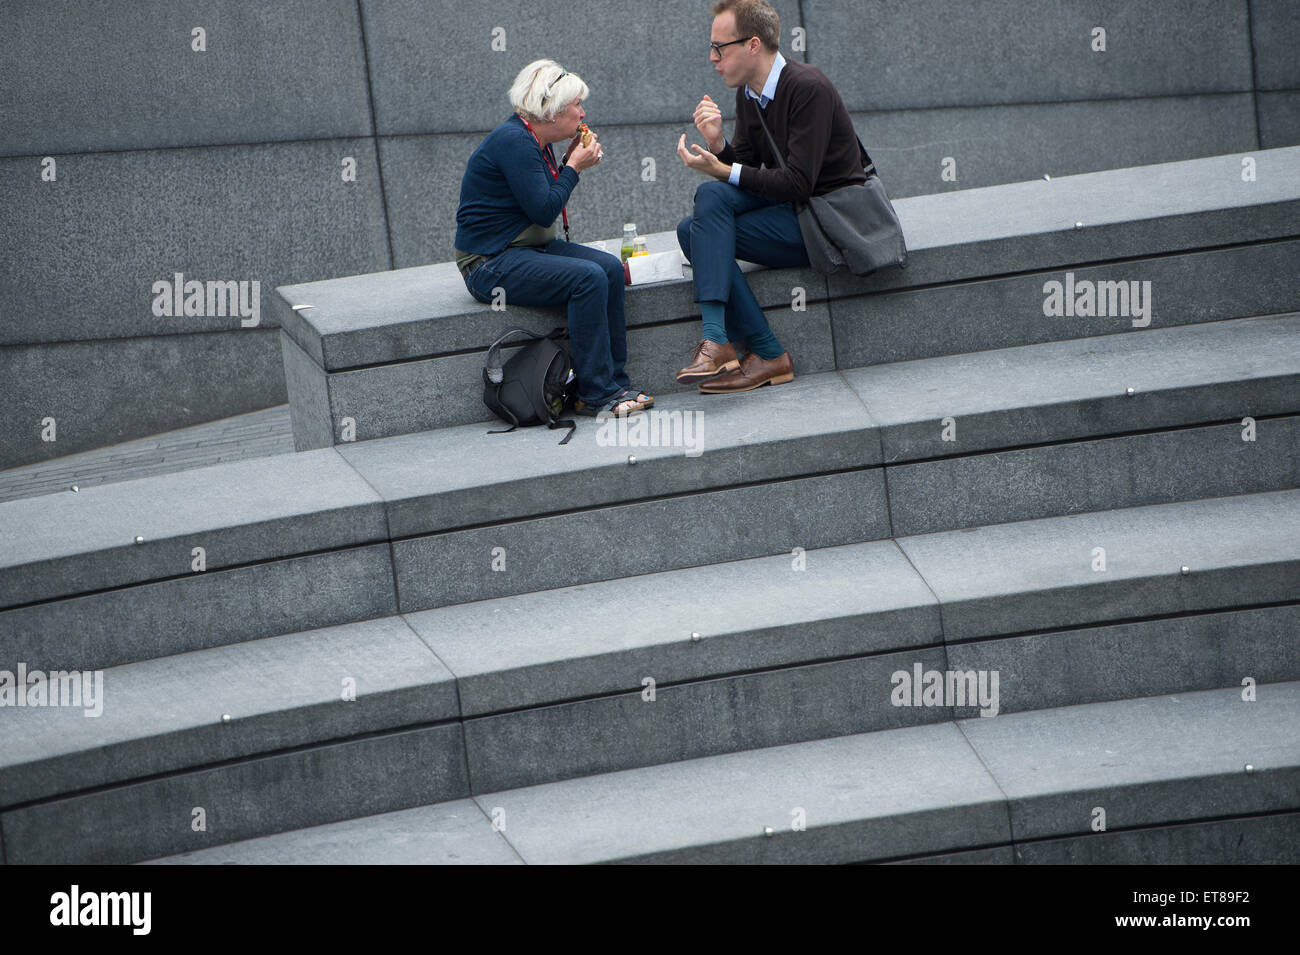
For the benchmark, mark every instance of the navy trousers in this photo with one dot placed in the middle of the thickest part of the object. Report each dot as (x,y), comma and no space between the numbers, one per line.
(728,224)
(590,283)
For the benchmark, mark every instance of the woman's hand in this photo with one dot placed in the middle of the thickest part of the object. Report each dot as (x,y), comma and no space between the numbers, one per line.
(582,157)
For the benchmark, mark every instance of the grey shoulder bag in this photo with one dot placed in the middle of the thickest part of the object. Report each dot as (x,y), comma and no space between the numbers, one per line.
(854,227)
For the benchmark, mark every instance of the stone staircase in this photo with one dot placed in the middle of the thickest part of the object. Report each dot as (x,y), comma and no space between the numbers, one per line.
(437,645)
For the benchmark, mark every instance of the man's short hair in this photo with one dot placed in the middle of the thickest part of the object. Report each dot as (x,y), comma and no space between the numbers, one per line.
(753,18)
(544,88)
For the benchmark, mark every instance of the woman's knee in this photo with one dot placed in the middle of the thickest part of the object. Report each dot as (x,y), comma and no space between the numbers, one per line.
(613,267)
(589,276)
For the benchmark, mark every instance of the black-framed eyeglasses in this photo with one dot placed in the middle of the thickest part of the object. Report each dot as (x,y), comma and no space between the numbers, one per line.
(547,93)
(717,47)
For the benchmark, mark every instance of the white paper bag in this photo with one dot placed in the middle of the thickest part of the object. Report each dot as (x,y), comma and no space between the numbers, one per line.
(655,267)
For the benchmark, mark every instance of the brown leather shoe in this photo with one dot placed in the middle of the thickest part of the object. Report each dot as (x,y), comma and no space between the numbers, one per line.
(752,373)
(708,359)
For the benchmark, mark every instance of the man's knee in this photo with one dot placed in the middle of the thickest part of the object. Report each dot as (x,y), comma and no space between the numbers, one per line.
(684,236)
(713,193)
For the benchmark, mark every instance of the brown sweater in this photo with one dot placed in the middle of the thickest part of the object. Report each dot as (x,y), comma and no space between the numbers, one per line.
(812,128)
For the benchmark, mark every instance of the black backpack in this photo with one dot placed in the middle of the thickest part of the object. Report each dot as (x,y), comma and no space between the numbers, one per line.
(533,386)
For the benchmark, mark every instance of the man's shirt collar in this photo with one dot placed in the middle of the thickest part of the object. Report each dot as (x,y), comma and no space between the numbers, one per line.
(769,88)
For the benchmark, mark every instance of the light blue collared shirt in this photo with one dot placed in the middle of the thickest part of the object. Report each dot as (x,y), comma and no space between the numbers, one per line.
(763,98)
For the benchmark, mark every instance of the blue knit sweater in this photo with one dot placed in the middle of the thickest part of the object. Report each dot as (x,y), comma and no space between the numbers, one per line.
(507,187)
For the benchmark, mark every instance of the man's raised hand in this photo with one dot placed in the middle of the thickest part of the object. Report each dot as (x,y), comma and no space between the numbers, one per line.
(701,160)
(708,120)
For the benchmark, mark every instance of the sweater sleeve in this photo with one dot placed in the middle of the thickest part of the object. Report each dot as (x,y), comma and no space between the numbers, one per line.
(540,196)
(811,108)
(738,148)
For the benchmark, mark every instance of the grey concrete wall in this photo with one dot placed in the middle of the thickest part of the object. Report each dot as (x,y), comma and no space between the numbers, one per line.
(226,164)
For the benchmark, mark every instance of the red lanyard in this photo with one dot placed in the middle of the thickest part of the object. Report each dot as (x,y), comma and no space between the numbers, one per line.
(555,173)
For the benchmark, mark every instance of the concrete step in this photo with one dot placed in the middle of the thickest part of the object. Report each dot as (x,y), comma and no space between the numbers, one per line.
(1180,774)
(525,690)
(1039,430)
(401,351)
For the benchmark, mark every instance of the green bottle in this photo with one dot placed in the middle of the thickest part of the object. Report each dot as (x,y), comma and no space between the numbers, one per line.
(629,240)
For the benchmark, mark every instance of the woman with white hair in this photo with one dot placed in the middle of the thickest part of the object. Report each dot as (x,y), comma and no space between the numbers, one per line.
(510,197)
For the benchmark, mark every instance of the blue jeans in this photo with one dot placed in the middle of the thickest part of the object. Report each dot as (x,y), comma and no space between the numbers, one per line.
(730,223)
(590,283)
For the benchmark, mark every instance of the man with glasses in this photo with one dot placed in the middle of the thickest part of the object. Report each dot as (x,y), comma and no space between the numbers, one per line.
(748,212)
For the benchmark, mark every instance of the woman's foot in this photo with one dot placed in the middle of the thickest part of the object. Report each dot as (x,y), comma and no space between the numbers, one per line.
(646,401)
(626,402)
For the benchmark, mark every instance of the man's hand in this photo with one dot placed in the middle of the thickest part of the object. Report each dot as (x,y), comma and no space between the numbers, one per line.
(701,160)
(708,120)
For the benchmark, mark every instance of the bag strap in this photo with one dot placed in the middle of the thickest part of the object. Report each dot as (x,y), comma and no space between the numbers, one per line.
(514,422)
(869,167)
(494,364)
(552,421)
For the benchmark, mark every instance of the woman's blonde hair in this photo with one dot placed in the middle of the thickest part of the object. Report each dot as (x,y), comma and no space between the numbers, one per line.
(543,88)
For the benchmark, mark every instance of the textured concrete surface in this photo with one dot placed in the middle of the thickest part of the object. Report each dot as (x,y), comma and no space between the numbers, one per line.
(385,317)
(241,800)
(426,310)
(1252,840)
(1145,761)
(85,251)
(1051,392)
(1143,211)
(262,94)
(940,149)
(972,233)
(90,245)
(643,64)
(197,611)
(462,476)
(1279,118)
(1275,30)
(450,833)
(139,387)
(291,70)
(923,53)
(685,721)
(1158,467)
(1017,578)
(239,512)
(258,434)
(165,715)
(416,396)
(915,794)
(1000,855)
(1144,658)
(309,402)
(907,791)
(604,543)
(607,637)
(984,314)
